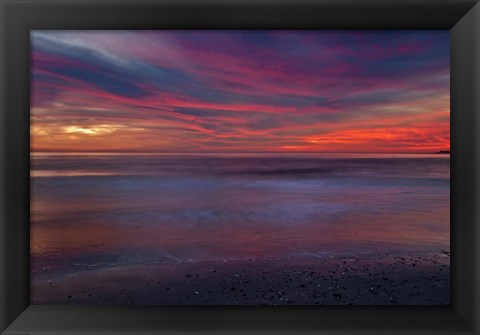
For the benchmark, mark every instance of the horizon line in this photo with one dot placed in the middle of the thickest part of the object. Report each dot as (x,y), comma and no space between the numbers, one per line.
(230,153)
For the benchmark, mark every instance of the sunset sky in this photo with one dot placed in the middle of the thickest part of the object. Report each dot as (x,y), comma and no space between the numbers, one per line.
(240,91)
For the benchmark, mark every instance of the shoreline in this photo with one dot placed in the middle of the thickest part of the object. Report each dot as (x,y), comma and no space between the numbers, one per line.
(383,279)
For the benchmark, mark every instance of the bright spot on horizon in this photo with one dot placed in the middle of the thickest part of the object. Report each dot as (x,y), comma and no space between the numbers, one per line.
(97,130)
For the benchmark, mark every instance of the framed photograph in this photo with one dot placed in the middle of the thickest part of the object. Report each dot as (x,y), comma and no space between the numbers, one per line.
(237,166)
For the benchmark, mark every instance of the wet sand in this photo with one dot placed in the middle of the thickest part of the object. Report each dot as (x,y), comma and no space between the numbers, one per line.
(381,279)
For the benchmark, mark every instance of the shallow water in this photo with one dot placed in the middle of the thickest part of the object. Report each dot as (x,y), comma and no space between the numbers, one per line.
(97,212)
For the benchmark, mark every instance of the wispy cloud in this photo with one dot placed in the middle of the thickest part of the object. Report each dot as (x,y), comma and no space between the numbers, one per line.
(233,91)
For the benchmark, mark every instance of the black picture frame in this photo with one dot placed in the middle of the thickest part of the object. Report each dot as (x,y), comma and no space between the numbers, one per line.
(461,17)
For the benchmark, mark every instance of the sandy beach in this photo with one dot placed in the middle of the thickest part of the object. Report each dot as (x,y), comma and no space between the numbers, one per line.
(359,280)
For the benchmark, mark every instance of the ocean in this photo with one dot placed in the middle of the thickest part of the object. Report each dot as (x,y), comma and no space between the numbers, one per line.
(96,212)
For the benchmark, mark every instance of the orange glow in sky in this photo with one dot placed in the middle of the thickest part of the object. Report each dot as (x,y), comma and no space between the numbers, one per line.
(232,91)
